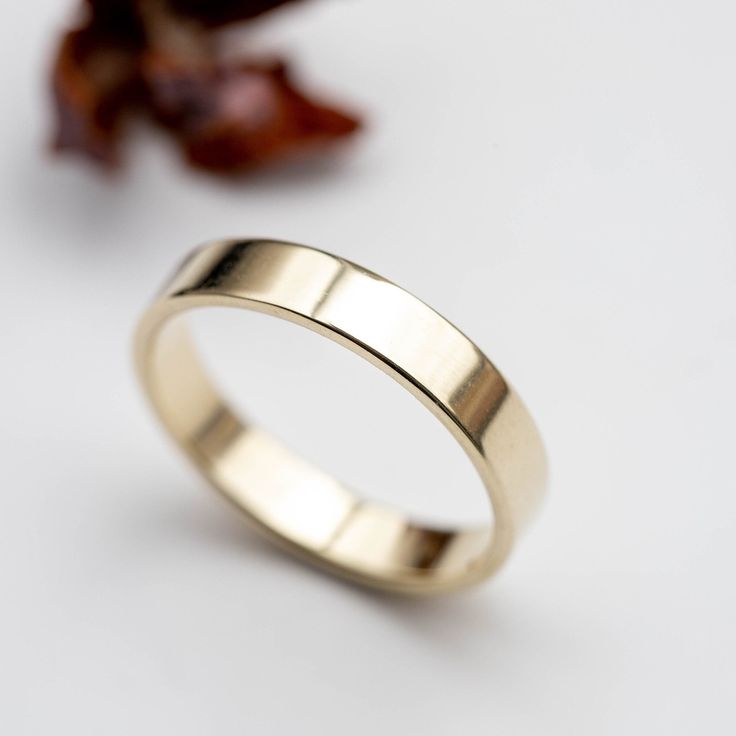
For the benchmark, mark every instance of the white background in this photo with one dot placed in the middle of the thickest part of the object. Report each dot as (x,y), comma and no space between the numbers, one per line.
(558,178)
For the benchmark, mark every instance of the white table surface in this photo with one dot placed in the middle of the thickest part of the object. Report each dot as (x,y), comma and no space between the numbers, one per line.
(558,179)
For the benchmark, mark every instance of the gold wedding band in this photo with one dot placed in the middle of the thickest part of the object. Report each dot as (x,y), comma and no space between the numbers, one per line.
(298,505)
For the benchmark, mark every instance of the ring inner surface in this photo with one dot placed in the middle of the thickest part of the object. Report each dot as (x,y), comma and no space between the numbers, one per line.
(303,505)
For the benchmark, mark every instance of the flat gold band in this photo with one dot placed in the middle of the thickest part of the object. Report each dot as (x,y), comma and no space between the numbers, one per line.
(291,501)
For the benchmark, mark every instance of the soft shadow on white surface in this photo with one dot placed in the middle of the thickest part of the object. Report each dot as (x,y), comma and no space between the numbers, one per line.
(465,627)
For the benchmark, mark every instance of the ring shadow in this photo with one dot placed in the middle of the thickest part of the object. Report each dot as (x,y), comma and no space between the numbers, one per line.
(454,621)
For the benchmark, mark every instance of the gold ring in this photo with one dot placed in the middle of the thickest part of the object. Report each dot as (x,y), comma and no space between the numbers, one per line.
(298,505)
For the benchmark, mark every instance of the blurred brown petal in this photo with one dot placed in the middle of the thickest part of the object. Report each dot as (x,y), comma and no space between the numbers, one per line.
(157,56)
(221,12)
(94,82)
(232,117)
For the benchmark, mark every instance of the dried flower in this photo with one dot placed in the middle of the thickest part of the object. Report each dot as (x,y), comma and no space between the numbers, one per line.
(160,58)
